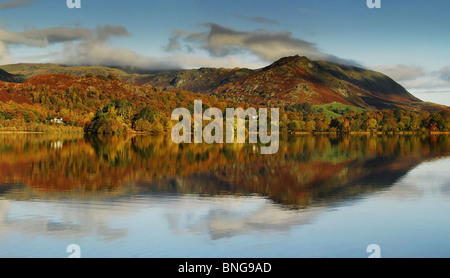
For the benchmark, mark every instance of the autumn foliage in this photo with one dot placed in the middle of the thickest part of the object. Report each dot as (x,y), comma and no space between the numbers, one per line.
(108,105)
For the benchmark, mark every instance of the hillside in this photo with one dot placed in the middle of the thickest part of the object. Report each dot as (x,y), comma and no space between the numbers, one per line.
(76,100)
(27,71)
(289,80)
(8,77)
(312,97)
(293,80)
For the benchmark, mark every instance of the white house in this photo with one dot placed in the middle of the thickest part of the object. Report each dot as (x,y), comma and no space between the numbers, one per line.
(57,121)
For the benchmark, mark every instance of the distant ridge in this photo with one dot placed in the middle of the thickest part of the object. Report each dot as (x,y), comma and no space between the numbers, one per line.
(27,71)
(7,77)
(289,80)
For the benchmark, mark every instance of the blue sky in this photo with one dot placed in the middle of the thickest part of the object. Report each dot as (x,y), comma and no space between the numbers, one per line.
(408,40)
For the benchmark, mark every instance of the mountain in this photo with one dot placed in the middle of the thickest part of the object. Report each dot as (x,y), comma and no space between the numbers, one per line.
(34,104)
(7,77)
(290,80)
(312,97)
(26,71)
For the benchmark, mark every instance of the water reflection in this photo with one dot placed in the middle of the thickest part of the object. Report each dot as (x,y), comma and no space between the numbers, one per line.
(307,169)
(153,198)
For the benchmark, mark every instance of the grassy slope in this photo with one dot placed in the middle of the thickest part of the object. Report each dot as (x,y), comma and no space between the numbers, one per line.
(368,87)
(328,109)
(27,71)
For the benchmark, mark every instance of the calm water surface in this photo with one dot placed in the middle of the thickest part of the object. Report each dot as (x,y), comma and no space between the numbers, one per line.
(144,196)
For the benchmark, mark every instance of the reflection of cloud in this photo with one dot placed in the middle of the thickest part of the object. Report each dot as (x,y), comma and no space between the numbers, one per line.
(78,221)
(4,209)
(229,217)
(189,215)
(427,178)
(267,220)
(58,220)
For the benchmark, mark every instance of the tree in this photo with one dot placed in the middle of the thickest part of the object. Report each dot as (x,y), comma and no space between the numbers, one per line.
(146,114)
(142,125)
(372,124)
(109,118)
(294,126)
(157,128)
(311,125)
(437,123)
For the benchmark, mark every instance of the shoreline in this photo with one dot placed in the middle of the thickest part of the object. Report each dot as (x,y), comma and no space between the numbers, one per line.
(288,133)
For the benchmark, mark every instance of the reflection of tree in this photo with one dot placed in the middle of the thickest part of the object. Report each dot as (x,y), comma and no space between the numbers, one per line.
(306,169)
(114,150)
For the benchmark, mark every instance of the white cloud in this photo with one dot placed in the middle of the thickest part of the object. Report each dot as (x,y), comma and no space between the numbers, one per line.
(5,58)
(400,72)
(17,38)
(95,52)
(444,74)
(190,61)
(58,34)
(269,46)
(423,84)
(82,46)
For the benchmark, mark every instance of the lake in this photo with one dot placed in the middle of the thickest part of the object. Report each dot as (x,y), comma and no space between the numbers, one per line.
(146,197)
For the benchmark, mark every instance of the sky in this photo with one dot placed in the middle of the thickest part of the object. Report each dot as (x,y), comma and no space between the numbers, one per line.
(407,40)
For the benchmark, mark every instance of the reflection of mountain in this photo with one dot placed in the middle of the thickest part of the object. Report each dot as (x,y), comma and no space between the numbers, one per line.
(305,171)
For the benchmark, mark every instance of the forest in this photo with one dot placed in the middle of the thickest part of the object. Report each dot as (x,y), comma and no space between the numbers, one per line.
(107,105)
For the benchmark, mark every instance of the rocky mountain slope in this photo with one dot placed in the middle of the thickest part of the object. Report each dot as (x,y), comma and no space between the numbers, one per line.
(292,80)
(289,80)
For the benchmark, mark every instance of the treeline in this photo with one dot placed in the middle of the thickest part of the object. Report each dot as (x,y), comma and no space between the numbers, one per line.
(107,105)
(120,116)
(117,117)
(386,121)
(93,103)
